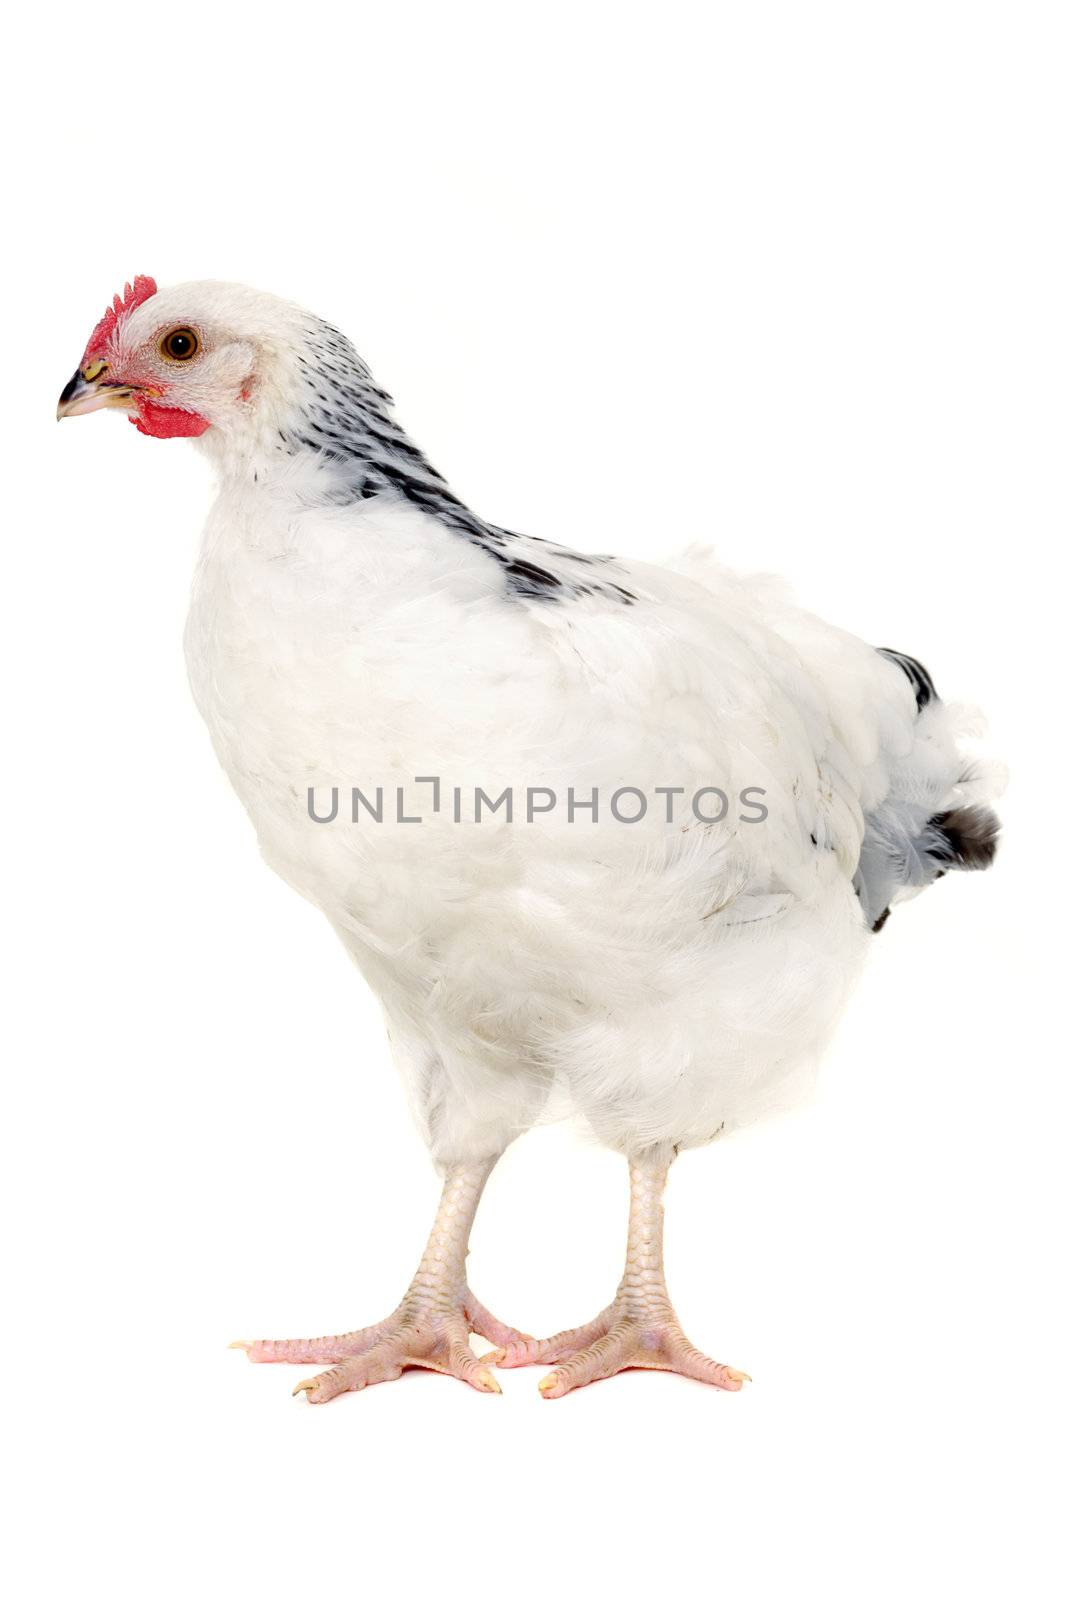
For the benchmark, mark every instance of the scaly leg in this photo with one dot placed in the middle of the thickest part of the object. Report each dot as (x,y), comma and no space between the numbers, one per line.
(639,1328)
(431,1327)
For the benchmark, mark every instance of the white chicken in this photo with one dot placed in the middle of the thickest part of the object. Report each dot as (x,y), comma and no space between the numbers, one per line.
(610,830)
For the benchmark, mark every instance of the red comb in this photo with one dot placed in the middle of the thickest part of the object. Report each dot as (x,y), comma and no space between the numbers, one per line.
(141,290)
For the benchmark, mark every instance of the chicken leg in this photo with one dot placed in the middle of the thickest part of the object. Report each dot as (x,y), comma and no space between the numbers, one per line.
(639,1328)
(432,1325)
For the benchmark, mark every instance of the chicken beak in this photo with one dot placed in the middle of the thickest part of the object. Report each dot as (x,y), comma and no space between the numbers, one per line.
(89,390)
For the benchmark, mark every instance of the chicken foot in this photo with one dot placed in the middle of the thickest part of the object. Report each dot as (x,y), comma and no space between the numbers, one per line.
(639,1328)
(432,1325)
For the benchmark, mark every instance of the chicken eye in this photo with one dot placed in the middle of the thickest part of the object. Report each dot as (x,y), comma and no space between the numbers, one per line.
(180,344)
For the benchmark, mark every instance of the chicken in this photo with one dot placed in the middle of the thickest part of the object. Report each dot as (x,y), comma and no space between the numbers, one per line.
(587,827)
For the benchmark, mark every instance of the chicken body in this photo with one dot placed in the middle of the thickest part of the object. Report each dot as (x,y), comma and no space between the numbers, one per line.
(673,976)
(673,954)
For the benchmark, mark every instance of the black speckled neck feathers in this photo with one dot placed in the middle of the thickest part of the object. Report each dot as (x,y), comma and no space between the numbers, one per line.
(343,417)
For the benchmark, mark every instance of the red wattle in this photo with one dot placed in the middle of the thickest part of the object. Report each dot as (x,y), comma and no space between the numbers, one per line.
(167,422)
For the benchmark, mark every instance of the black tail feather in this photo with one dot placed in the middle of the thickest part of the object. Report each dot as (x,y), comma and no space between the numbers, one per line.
(965,839)
(921,682)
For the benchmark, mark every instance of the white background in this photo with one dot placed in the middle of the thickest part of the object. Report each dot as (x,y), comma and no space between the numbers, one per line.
(785,278)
